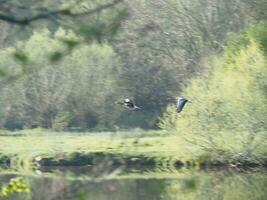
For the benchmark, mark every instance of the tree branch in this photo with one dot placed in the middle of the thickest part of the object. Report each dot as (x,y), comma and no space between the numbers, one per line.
(55,14)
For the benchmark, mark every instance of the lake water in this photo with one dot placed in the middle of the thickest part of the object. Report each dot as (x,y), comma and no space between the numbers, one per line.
(87,183)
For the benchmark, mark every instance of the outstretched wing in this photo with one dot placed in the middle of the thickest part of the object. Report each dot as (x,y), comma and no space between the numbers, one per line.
(180,104)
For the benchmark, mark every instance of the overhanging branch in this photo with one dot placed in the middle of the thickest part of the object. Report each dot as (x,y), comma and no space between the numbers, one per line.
(56,13)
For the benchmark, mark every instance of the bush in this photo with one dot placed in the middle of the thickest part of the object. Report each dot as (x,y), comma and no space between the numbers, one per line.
(229,109)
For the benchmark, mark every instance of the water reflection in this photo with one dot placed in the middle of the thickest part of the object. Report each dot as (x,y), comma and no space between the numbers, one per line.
(137,184)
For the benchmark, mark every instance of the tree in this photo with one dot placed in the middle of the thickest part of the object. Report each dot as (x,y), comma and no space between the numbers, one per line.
(94,21)
(164,44)
(76,89)
(230,95)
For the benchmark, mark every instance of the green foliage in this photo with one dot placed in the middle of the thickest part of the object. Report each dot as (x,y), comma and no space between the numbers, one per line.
(61,121)
(231,96)
(2,72)
(190,184)
(101,30)
(92,30)
(81,84)
(237,42)
(21,57)
(259,32)
(71,43)
(56,56)
(15,185)
(229,99)
(132,50)
(163,45)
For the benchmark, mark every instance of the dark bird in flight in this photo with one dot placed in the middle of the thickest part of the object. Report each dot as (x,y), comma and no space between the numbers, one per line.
(181,101)
(129,104)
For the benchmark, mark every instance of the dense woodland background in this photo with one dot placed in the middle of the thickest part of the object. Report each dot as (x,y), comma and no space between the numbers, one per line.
(65,71)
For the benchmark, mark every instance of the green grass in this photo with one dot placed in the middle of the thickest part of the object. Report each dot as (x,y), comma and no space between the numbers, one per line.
(231,149)
(58,144)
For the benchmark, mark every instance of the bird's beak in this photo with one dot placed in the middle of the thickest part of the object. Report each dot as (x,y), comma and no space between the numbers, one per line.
(190,101)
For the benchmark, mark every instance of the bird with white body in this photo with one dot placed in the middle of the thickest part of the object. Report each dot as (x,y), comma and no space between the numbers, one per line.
(129,104)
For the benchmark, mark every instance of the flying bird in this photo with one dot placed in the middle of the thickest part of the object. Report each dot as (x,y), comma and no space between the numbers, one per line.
(181,101)
(129,104)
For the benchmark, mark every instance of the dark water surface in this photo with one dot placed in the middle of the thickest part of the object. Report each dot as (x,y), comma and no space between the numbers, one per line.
(140,184)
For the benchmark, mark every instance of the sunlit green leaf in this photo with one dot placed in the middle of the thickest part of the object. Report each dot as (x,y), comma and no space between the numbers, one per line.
(15,185)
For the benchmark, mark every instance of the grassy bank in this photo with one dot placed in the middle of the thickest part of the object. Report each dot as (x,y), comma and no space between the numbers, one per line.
(19,150)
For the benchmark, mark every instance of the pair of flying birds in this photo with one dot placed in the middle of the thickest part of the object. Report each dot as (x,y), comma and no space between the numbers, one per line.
(129,104)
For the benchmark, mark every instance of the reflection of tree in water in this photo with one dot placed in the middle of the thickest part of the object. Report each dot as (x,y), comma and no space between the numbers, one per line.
(132,189)
(184,185)
(221,185)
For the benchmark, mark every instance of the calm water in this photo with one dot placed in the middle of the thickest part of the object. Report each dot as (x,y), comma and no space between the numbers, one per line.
(146,184)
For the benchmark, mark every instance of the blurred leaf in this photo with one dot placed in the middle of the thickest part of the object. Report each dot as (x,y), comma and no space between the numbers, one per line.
(56,56)
(116,21)
(190,184)
(61,121)
(123,14)
(81,197)
(71,43)
(2,73)
(21,57)
(93,31)
(15,185)
(109,28)
(260,33)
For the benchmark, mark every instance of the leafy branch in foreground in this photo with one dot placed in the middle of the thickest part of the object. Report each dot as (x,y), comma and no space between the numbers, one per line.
(7,12)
